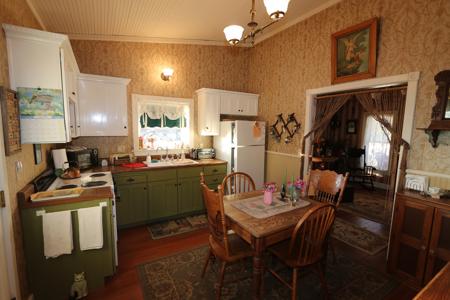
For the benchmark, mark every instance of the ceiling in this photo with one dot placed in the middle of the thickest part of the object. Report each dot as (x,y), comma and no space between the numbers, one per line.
(166,21)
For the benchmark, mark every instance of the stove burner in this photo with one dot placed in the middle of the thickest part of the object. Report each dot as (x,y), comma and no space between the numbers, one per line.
(95,183)
(67,186)
(98,175)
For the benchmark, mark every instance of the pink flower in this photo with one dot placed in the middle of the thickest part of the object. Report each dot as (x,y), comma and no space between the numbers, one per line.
(270,187)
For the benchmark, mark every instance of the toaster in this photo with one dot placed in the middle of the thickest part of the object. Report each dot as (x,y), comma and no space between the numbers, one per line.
(206,153)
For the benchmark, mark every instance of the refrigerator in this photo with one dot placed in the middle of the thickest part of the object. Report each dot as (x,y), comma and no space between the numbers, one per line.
(242,145)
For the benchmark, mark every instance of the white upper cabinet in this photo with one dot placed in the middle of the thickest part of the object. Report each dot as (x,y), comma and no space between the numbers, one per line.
(103,105)
(208,102)
(212,103)
(241,104)
(42,66)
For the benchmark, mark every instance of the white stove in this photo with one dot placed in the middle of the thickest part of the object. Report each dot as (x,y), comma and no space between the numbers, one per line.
(87,180)
(90,181)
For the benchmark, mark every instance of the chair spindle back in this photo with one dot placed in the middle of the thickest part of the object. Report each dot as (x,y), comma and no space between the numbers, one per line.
(308,241)
(328,185)
(238,182)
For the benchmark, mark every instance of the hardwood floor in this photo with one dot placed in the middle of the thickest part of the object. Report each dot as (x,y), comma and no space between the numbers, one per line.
(136,247)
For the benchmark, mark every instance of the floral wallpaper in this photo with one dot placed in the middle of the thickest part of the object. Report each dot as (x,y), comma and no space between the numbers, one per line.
(194,67)
(414,36)
(17,12)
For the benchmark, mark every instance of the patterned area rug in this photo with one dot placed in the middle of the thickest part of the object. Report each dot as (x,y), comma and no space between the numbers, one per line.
(369,205)
(358,237)
(178,277)
(177,226)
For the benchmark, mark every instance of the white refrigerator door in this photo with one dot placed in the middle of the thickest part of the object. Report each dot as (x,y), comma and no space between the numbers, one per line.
(244,134)
(250,160)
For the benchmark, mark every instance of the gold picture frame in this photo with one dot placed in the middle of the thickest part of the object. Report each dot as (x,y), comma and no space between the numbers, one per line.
(11,120)
(354,51)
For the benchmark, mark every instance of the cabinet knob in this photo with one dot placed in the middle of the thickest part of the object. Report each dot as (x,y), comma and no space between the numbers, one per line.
(423,247)
(206,127)
(73,93)
(124,127)
(432,253)
(78,126)
(145,189)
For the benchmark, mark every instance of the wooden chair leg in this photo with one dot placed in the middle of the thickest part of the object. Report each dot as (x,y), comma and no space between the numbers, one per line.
(333,253)
(323,281)
(294,283)
(220,280)
(208,258)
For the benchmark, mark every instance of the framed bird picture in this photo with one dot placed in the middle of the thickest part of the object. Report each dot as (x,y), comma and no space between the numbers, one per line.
(353,52)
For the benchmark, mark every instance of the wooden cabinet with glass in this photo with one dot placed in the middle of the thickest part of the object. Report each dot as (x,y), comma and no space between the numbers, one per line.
(420,243)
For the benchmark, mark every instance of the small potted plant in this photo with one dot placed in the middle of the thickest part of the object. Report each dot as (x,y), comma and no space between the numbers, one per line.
(269,189)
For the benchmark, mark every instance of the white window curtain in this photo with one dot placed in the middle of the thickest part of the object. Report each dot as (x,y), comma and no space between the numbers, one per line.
(377,142)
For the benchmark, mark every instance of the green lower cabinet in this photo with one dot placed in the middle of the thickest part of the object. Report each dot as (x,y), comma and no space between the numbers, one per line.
(163,199)
(189,195)
(132,204)
(52,278)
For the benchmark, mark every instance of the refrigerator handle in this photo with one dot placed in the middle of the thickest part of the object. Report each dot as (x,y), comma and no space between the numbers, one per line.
(232,167)
(233,133)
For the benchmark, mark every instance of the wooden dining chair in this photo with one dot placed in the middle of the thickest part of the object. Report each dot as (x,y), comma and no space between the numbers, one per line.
(238,182)
(326,186)
(307,246)
(228,248)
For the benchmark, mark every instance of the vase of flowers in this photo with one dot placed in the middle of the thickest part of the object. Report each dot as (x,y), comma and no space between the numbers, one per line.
(295,188)
(269,188)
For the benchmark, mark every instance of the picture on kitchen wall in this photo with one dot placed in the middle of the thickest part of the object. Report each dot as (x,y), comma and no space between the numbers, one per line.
(353,52)
(351,126)
(11,121)
(40,103)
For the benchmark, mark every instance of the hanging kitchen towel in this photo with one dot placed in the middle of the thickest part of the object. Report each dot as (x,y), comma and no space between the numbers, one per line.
(90,227)
(57,231)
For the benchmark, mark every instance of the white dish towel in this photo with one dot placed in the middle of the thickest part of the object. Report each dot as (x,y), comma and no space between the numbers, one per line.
(57,231)
(90,227)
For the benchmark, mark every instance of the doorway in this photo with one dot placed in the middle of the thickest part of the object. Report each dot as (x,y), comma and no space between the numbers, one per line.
(409,79)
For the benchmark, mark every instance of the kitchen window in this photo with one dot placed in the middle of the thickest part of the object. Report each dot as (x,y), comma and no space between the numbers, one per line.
(161,123)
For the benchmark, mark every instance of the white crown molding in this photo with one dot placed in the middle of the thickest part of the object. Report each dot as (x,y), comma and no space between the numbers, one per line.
(102,78)
(143,39)
(36,15)
(13,31)
(286,25)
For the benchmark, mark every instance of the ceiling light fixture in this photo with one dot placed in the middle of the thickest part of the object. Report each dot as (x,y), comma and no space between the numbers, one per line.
(166,74)
(276,9)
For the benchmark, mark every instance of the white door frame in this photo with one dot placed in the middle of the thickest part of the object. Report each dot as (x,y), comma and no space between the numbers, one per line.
(8,266)
(412,79)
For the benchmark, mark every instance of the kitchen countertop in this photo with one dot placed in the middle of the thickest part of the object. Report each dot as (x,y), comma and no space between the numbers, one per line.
(86,195)
(120,169)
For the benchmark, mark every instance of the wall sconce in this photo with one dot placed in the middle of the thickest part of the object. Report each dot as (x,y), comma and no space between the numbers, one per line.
(166,74)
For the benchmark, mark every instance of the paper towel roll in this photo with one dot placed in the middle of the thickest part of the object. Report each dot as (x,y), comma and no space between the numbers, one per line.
(59,158)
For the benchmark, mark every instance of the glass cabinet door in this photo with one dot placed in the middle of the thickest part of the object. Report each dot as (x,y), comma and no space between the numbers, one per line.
(439,253)
(411,234)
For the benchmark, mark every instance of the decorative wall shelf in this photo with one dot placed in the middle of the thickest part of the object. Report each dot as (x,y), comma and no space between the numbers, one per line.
(290,126)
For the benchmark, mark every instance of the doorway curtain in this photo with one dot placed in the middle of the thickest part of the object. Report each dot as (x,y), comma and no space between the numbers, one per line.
(376,102)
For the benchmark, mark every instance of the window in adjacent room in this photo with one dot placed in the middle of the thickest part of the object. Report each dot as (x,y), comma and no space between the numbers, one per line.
(161,123)
(376,140)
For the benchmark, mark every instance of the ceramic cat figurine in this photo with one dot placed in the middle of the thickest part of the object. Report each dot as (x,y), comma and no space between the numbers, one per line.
(79,286)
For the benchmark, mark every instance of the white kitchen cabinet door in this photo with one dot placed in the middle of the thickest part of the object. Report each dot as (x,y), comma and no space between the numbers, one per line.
(208,112)
(248,104)
(229,103)
(103,105)
(37,61)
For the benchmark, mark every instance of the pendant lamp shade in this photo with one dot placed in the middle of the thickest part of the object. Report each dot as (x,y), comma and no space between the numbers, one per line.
(233,33)
(276,9)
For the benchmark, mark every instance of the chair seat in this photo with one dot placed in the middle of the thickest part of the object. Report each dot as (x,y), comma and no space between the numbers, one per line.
(238,248)
(281,250)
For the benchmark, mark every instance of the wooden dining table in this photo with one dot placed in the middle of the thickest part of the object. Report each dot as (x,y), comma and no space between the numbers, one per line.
(261,233)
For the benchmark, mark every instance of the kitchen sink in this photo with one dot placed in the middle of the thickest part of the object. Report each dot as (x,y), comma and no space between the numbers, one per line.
(171,163)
